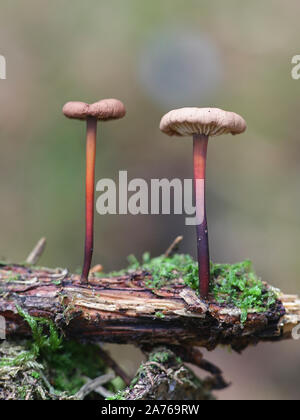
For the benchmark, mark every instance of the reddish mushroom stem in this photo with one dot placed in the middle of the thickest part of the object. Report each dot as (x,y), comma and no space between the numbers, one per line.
(200,155)
(90,196)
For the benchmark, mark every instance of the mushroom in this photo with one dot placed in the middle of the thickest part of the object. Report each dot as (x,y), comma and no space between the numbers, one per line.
(201,123)
(108,109)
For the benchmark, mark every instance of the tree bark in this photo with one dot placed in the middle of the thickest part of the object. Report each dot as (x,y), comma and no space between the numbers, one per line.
(124,310)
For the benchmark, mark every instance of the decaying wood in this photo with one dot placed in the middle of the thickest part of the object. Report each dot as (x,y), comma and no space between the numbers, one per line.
(23,380)
(168,379)
(163,376)
(124,310)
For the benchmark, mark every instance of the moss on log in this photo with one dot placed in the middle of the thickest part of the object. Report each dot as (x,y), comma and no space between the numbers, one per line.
(125,310)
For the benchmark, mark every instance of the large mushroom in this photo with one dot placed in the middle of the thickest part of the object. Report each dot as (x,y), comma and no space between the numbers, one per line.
(105,110)
(201,123)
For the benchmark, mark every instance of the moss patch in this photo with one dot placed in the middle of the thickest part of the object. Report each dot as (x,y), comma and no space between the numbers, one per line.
(160,356)
(70,366)
(239,286)
(67,364)
(119,396)
(159,315)
(234,285)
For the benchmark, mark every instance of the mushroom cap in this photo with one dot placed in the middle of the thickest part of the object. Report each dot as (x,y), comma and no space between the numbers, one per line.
(105,110)
(203,121)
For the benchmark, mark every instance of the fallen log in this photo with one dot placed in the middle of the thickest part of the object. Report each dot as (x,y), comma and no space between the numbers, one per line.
(125,310)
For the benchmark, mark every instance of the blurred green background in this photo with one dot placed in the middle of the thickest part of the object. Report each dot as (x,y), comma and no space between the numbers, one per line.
(154,56)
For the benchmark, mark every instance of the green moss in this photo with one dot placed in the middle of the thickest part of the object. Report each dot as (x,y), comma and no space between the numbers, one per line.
(35,375)
(22,380)
(72,364)
(160,357)
(235,285)
(159,315)
(119,396)
(57,282)
(22,391)
(238,285)
(68,364)
(44,344)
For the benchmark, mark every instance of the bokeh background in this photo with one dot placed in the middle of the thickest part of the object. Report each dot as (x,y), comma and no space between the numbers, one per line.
(155,56)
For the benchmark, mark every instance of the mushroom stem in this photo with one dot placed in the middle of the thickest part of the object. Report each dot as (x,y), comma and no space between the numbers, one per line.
(200,155)
(90,196)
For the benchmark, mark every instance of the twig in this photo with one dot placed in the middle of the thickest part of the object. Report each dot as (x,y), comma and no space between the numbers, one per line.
(47,383)
(114,366)
(173,247)
(194,356)
(93,385)
(158,365)
(218,380)
(37,252)
(103,392)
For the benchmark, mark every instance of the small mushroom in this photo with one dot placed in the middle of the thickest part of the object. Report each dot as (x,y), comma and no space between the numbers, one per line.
(201,123)
(106,110)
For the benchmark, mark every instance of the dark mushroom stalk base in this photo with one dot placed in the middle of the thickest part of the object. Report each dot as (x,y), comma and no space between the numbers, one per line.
(200,156)
(91,141)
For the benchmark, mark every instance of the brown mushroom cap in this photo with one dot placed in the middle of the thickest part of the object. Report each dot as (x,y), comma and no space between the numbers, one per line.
(105,110)
(204,121)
